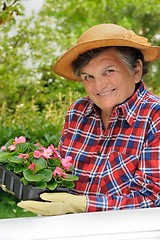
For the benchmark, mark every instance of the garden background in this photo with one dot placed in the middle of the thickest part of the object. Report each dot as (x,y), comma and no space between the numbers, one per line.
(33,100)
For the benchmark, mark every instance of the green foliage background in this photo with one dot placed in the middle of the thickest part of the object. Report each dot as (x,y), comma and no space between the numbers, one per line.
(33,100)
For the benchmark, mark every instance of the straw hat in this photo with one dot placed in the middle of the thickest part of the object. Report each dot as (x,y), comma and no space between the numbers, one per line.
(103,35)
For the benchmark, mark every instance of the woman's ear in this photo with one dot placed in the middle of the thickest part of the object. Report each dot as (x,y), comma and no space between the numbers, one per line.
(138,71)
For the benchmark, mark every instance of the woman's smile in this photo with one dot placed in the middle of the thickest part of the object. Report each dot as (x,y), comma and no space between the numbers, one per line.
(104,93)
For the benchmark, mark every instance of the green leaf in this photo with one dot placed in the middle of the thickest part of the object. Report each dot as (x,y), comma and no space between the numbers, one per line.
(52,185)
(40,163)
(42,184)
(10,167)
(5,15)
(25,182)
(54,162)
(46,173)
(68,184)
(32,147)
(30,177)
(9,143)
(18,168)
(21,147)
(71,178)
(15,159)
(71,168)
(59,180)
(4,156)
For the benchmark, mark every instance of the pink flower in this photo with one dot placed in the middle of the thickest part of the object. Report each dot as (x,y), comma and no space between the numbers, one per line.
(55,152)
(41,148)
(18,140)
(32,166)
(52,147)
(65,175)
(3,148)
(66,162)
(23,155)
(47,153)
(37,154)
(37,144)
(58,172)
(12,147)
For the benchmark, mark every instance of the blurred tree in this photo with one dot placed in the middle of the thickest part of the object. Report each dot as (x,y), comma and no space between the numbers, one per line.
(9,9)
(30,46)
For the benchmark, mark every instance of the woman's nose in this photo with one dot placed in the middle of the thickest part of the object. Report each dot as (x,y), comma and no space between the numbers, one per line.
(100,83)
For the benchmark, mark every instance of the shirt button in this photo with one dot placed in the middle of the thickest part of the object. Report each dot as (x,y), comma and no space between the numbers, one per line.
(89,179)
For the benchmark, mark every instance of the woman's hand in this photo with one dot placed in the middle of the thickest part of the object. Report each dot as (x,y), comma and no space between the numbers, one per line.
(55,204)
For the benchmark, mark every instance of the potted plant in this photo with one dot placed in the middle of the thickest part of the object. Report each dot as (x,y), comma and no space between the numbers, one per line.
(28,169)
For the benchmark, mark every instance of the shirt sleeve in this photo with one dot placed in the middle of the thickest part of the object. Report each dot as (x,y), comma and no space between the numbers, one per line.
(144,190)
(64,131)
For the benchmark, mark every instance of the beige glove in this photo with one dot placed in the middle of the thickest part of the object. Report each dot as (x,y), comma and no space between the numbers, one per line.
(5,189)
(58,203)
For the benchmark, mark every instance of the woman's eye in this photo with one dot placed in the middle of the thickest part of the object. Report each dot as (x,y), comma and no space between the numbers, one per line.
(109,71)
(87,77)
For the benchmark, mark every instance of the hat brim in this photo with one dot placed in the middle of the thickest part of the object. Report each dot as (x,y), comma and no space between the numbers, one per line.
(63,66)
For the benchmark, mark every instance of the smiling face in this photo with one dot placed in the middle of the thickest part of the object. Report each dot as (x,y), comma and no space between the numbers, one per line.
(108,80)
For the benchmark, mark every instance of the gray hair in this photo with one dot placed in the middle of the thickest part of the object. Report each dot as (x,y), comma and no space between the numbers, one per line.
(129,55)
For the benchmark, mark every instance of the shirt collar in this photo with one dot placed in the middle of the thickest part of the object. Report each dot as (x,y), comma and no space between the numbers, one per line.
(129,108)
(91,108)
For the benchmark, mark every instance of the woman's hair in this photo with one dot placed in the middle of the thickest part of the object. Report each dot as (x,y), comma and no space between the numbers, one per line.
(129,55)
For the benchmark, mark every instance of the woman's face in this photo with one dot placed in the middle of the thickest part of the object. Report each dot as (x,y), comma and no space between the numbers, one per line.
(108,80)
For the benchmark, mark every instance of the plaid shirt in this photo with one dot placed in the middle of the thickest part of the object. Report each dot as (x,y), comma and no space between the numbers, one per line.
(119,167)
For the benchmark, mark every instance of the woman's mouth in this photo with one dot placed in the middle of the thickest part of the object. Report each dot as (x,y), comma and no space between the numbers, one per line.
(106,92)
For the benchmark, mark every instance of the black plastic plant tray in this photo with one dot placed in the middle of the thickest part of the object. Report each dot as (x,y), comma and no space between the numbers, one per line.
(21,191)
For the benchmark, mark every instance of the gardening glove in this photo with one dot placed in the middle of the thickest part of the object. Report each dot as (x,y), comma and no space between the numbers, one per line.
(57,204)
(5,189)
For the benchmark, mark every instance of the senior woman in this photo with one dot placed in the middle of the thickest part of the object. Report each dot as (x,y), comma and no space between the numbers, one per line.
(113,134)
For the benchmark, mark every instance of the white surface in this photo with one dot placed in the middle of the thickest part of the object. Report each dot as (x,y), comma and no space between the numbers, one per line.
(111,225)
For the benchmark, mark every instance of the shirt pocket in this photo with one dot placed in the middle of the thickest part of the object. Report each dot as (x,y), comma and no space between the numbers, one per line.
(118,173)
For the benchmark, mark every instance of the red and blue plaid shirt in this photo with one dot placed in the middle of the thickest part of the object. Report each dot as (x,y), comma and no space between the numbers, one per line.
(119,167)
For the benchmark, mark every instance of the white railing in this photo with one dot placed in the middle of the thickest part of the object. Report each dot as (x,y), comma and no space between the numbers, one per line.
(111,225)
